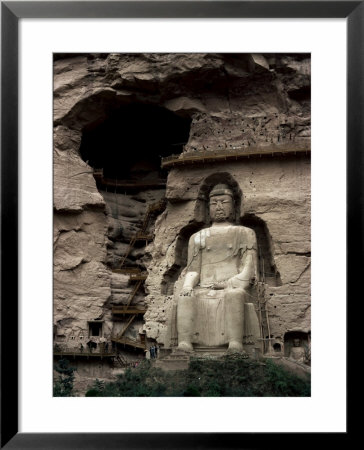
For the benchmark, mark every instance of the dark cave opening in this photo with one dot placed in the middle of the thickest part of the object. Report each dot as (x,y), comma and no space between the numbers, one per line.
(277,347)
(301,94)
(130,143)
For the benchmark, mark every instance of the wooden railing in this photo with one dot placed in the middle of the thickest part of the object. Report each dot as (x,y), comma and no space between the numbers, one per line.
(138,276)
(123,310)
(131,342)
(87,351)
(127,184)
(128,270)
(232,154)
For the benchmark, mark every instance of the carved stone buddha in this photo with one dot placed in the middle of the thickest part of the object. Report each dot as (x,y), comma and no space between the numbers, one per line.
(214,305)
(297,352)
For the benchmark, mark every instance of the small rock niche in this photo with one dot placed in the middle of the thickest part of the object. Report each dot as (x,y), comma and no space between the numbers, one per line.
(277,348)
(290,337)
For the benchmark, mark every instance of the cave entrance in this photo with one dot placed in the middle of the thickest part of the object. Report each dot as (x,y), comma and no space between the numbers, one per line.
(125,152)
(129,144)
(95,329)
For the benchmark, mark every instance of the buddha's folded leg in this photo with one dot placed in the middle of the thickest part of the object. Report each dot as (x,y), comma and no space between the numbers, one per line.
(234,318)
(185,315)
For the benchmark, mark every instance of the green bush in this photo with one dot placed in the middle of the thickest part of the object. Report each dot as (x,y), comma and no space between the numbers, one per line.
(93,393)
(192,391)
(232,376)
(63,385)
(285,384)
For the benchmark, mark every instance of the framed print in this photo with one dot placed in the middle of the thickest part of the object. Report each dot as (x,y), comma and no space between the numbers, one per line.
(259,46)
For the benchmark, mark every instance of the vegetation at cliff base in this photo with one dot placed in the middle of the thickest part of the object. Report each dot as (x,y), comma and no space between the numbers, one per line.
(225,377)
(63,384)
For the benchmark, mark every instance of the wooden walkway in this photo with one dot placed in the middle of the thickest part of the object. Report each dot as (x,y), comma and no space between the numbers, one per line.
(76,353)
(137,275)
(130,342)
(123,310)
(235,154)
(128,184)
(133,276)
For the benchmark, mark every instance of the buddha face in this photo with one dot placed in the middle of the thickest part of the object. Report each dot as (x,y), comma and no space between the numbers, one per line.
(221,208)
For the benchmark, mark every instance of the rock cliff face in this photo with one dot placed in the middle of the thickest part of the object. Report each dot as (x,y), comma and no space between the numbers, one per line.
(276,193)
(230,103)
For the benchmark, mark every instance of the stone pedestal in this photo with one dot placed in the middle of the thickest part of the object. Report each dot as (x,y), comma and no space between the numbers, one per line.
(174,361)
(210,328)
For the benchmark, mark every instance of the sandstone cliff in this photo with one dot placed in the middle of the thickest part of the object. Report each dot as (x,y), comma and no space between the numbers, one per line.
(230,102)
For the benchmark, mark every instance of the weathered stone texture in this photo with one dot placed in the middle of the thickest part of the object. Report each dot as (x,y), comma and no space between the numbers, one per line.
(74,184)
(278,192)
(234,101)
(81,278)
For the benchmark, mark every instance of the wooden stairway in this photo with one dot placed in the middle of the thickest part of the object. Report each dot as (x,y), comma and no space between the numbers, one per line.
(136,275)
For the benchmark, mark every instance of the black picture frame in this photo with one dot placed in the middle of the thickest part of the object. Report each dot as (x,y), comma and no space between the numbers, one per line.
(11,12)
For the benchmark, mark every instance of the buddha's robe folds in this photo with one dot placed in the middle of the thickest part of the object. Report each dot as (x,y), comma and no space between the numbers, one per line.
(225,256)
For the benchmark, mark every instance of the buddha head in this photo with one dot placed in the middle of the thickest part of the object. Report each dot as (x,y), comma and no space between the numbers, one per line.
(296,342)
(221,204)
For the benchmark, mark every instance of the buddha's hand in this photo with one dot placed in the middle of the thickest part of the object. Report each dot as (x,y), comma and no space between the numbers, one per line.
(219,285)
(238,283)
(186,292)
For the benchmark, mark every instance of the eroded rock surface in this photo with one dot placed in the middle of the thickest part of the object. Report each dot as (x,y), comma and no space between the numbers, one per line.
(270,193)
(247,101)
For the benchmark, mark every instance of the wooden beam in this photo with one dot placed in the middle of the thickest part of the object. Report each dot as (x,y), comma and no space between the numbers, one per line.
(85,353)
(130,342)
(122,310)
(239,153)
(138,277)
(135,290)
(126,327)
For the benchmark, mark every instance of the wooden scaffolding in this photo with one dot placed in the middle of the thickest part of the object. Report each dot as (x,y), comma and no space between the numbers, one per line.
(120,312)
(262,309)
(115,183)
(232,154)
(86,353)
